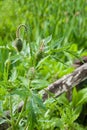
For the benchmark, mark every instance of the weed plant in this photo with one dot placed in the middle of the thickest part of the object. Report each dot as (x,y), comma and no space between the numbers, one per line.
(55,37)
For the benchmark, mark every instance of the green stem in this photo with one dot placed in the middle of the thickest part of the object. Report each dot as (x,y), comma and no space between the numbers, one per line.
(12,120)
(18,30)
(20,115)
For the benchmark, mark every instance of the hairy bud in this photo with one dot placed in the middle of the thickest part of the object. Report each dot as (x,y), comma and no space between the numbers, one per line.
(18,44)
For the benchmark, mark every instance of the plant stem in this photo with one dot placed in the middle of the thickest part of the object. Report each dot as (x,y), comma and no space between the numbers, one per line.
(20,115)
(12,120)
(18,30)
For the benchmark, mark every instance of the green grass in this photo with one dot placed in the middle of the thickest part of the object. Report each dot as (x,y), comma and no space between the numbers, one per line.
(57,34)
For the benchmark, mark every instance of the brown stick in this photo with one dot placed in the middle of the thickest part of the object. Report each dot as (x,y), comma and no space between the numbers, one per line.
(67,82)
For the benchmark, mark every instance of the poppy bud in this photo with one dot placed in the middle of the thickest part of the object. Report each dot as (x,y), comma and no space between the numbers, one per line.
(18,44)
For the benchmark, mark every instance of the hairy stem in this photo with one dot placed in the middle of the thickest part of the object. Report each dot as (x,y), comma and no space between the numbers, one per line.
(18,30)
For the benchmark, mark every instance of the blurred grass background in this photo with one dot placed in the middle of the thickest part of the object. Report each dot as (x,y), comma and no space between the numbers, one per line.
(59,18)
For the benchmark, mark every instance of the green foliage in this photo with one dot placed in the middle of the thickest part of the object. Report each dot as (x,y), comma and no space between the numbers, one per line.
(55,37)
(61,19)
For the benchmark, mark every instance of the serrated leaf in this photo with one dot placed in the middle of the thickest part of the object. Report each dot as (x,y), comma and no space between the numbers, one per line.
(38,101)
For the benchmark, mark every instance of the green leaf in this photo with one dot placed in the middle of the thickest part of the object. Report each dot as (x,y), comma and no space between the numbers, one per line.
(47,40)
(3,92)
(74,97)
(31,115)
(77,112)
(38,101)
(82,96)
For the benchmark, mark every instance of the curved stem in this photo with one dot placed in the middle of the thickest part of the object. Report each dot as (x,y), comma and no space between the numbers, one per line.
(18,30)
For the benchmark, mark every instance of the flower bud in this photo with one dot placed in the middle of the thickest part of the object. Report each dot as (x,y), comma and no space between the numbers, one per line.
(18,44)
